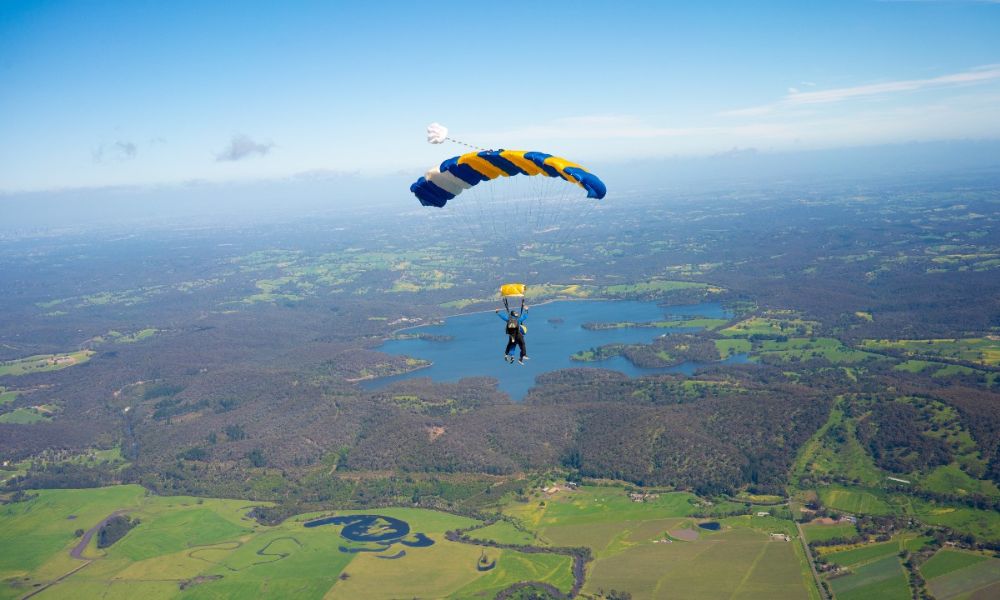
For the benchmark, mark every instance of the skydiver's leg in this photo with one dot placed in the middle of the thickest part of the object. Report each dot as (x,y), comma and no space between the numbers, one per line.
(520,344)
(511,343)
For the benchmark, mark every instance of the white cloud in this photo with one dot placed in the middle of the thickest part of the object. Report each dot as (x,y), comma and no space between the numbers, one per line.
(796,98)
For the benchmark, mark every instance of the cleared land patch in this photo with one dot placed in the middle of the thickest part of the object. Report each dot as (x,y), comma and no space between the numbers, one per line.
(946,561)
(976,577)
(883,578)
(864,554)
(821,533)
(854,501)
(503,532)
(25,416)
(44,362)
(7,395)
(980,350)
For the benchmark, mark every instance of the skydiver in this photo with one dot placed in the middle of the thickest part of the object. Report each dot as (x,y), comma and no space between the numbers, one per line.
(515,334)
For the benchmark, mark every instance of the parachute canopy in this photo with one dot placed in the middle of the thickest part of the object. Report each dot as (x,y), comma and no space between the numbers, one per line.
(512,290)
(460,173)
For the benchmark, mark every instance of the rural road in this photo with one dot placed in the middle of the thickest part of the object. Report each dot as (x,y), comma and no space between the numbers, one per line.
(812,565)
(77,553)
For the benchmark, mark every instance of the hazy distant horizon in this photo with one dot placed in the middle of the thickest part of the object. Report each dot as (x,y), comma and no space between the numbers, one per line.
(307,194)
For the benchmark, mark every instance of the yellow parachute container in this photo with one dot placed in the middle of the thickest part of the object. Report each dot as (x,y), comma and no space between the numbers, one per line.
(512,290)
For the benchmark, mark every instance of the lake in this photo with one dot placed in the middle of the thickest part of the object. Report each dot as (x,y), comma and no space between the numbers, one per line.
(555,332)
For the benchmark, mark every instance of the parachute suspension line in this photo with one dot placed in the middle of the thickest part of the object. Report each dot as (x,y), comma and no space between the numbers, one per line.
(526,215)
(438,134)
(460,142)
(507,305)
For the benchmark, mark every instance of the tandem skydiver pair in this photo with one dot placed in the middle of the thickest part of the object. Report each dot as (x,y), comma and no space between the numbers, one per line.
(514,320)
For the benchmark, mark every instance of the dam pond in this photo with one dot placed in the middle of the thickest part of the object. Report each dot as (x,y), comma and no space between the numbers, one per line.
(472,345)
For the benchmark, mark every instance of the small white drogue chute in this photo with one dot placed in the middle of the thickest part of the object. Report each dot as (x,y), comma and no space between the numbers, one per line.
(437,133)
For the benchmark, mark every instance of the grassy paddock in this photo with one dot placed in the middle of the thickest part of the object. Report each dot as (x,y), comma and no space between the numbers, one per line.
(504,533)
(967,580)
(854,501)
(946,561)
(821,533)
(24,416)
(863,554)
(883,578)
(7,395)
(44,362)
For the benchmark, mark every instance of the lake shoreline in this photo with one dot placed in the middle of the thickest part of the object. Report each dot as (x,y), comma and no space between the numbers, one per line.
(476,312)
(476,343)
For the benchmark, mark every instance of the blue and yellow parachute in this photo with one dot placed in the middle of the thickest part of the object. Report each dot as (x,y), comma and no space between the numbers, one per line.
(460,173)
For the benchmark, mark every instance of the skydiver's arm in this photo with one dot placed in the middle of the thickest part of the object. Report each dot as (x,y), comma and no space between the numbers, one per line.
(503,317)
(524,315)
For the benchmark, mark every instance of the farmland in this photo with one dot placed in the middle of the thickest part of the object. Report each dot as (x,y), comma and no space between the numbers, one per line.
(962,574)
(208,547)
(653,546)
(205,547)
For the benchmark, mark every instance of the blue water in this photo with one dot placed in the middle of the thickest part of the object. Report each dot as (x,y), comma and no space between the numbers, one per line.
(366,528)
(381,531)
(478,341)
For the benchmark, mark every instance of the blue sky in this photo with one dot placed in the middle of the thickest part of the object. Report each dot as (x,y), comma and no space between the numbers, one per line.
(125,93)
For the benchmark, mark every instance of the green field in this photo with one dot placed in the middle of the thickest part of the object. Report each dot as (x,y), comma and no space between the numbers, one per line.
(812,348)
(208,548)
(915,366)
(44,362)
(676,324)
(964,582)
(504,532)
(862,554)
(983,524)
(854,501)
(733,563)
(983,351)
(24,416)
(946,561)
(883,578)
(211,549)
(651,288)
(732,346)
(118,337)
(872,570)
(7,395)
(772,325)
(596,505)
(820,533)
(632,552)
(952,479)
